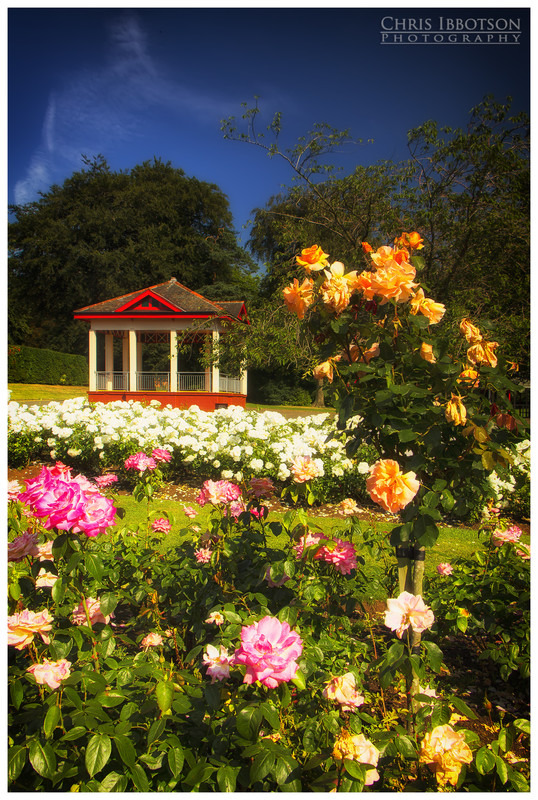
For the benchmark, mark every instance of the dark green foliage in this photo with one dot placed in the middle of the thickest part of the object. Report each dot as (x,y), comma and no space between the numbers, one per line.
(34,365)
(103,234)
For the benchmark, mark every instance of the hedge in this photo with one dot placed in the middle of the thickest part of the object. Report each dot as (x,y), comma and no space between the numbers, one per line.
(34,365)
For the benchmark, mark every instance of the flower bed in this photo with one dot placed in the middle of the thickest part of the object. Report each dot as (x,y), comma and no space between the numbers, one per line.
(227,664)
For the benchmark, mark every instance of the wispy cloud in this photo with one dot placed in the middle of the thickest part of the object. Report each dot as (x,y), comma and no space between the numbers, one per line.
(100,109)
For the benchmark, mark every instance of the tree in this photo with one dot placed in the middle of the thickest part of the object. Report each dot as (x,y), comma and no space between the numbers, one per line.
(467,191)
(104,233)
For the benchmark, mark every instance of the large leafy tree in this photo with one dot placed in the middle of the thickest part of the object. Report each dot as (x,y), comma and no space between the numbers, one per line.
(466,191)
(105,233)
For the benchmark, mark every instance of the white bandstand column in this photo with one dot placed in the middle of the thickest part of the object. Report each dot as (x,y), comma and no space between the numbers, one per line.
(243,382)
(173,361)
(124,359)
(132,360)
(215,372)
(109,360)
(92,359)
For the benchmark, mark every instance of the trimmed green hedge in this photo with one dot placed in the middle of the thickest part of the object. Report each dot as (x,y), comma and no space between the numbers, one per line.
(33,365)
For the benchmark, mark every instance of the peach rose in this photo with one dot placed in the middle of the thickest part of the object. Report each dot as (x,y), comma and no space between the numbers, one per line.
(151,640)
(336,292)
(389,487)
(23,627)
(394,282)
(358,748)
(51,673)
(312,258)
(445,751)
(408,610)
(304,468)
(299,297)
(363,284)
(343,691)
(94,612)
(325,369)
(455,411)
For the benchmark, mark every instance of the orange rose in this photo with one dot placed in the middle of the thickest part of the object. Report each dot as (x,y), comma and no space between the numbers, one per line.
(312,258)
(483,353)
(412,240)
(470,331)
(426,351)
(394,282)
(455,411)
(389,487)
(336,290)
(299,298)
(363,284)
(367,248)
(372,352)
(325,369)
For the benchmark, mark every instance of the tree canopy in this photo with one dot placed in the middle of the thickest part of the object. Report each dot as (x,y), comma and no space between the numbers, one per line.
(466,191)
(104,233)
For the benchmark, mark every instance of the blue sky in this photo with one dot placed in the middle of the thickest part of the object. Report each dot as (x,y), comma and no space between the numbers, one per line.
(133,83)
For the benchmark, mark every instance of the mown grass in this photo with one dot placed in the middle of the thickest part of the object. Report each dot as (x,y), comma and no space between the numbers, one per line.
(453,542)
(37,392)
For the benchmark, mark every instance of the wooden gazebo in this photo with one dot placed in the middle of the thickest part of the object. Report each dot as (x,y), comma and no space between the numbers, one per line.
(155,316)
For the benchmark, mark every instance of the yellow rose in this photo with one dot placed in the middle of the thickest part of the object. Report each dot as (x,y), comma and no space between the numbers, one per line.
(470,331)
(445,751)
(469,376)
(299,297)
(432,310)
(483,353)
(455,411)
(426,351)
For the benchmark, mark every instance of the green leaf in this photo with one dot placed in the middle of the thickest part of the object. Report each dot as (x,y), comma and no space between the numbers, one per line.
(17,693)
(58,591)
(262,765)
(94,566)
(434,655)
(286,773)
(447,500)
(97,753)
(164,692)
(74,733)
(111,698)
(271,714)
(175,758)
(248,721)
(52,718)
(16,759)
(484,760)
(125,749)
(155,731)
(113,782)
(355,770)
(227,777)
(108,602)
(198,774)
(42,758)
(502,769)
(139,778)
(407,435)
(461,623)
(522,725)
(462,707)
(299,680)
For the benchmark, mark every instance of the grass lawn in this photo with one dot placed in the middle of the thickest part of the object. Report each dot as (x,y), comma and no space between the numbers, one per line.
(453,542)
(30,392)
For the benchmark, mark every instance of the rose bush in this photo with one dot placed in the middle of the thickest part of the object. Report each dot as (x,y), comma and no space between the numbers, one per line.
(142,669)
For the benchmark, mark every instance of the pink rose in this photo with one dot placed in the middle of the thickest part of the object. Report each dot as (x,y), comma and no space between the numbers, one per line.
(24,545)
(51,672)
(218,662)
(268,650)
(45,551)
(309,540)
(237,508)
(215,618)
(160,454)
(105,480)
(342,556)
(408,610)
(94,612)
(13,491)
(444,568)
(218,493)
(141,462)
(203,555)
(22,627)
(151,640)
(512,536)
(342,690)
(189,512)
(161,525)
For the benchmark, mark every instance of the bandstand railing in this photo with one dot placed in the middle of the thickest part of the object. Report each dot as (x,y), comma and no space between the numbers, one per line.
(160,382)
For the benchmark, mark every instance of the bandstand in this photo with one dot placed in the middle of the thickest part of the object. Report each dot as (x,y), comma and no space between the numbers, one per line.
(160,314)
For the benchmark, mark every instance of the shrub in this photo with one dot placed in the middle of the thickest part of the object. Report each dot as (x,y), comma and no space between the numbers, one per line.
(34,365)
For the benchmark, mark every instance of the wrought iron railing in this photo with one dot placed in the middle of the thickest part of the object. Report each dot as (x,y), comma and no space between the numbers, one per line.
(117,381)
(160,382)
(227,384)
(194,382)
